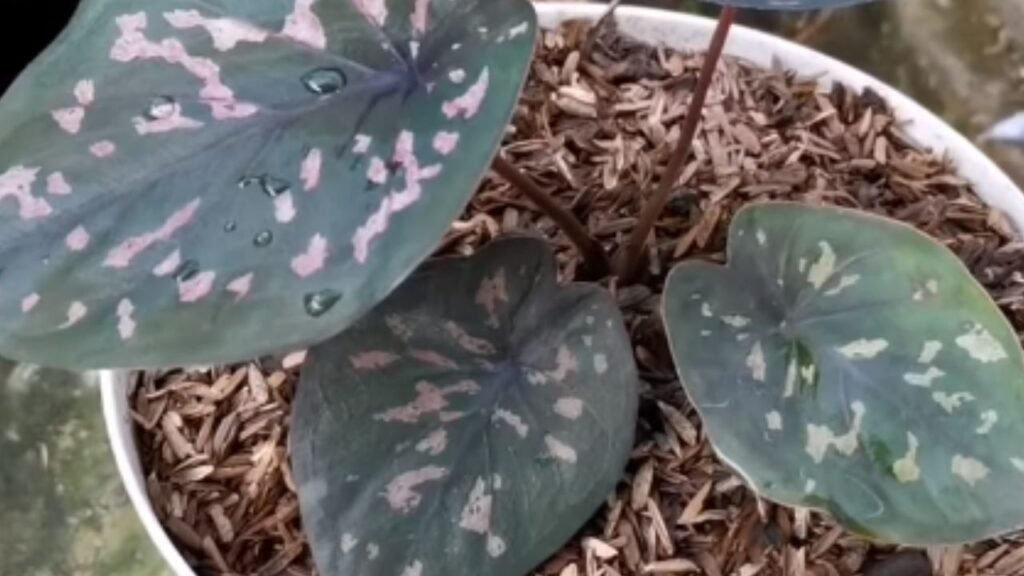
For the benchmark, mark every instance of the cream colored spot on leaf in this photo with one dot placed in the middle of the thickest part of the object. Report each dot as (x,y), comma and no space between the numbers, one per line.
(560,450)
(476,514)
(969,469)
(844,283)
(988,420)
(568,407)
(348,543)
(930,350)
(791,374)
(810,485)
(756,363)
(762,238)
(1018,464)
(823,268)
(774,420)
(863,348)
(705,310)
(372,551)
(736,321)
(414,569)
(513,420)
(905,469)
(802,265)
(981,345)
(951,402)
(600,363)
(923,379)
(820,438)
(495,546)
(932,286)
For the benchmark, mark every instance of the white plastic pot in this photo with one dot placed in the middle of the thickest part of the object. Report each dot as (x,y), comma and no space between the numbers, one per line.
(676,30)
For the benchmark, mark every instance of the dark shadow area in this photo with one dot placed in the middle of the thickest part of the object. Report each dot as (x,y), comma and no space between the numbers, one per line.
(38,22)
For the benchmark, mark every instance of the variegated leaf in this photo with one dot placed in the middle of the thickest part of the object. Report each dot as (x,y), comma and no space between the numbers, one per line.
(204,181)
(847,362)
(473,422)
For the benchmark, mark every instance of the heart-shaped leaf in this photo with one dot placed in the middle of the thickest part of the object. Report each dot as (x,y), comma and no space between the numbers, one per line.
(203,181)
(476,418)
(847,362)
(789,4)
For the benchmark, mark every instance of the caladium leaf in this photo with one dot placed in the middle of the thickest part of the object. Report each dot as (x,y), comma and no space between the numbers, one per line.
(847,362)
(477,418)
(204,181)
(789,4)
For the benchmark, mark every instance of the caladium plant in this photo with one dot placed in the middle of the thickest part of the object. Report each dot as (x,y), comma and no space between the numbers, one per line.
(177,178)
(848,362)
(476,418)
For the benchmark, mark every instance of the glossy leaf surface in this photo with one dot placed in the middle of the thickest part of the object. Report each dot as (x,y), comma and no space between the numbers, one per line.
(477,418)
(789,4)
(204,181)
(847,362)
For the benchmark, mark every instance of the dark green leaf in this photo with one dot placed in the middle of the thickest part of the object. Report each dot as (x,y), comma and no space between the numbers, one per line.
(477,418)
(847,362)
(203,181)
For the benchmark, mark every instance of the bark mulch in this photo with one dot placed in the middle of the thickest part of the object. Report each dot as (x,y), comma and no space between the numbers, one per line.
(596,124)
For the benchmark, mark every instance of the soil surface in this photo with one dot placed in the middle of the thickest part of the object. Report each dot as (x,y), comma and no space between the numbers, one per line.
(596,124)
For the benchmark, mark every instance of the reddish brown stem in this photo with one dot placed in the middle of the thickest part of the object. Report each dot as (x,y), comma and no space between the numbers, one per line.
(628,260)
(595,260)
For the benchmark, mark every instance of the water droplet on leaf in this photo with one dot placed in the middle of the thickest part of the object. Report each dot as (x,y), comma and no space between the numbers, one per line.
(270,185)
(230,226)
(160,108)
(319,303)
(263,239)
(323,81)
(186,271)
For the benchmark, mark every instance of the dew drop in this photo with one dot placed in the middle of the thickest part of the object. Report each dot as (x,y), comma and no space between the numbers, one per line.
(160,108)
(230,226)
(186,271)
(323,81)
(263,239)
(319,303)
(272,186)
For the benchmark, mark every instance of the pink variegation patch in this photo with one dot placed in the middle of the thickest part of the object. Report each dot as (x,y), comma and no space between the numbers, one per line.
(445,142)
(433,358)
(401,494)
(69,119)
(125,321)
(29,302)
(303,25)
(225,32)
(103,149)
(241,286)
(313,259)
(284,208)
(373,360)
(85,92)
(168,265)
(57,185)
(469,343)
(77,239)
(197,287)
(76,312)
(429,400)
(17,183)
(420,15)
(469,103)
(121,256)
(435,443)
(493,291)
(311,167)
(375,10)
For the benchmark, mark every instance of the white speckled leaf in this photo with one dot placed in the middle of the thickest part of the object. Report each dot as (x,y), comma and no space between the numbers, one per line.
(847,362)
(205,181)
(471,423)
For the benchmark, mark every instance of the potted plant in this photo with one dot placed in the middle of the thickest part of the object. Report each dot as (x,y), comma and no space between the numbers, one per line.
(225,212)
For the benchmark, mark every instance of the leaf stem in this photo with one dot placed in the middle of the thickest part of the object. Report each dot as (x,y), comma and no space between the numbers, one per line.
(595,260)
(629,258)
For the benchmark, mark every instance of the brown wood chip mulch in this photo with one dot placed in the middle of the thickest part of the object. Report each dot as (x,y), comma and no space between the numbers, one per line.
(596,124)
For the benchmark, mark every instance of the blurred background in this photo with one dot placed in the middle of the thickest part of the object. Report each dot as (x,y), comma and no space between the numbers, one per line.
(62,509)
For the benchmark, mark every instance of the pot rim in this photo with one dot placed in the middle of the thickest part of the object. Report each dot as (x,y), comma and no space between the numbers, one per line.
(655,26)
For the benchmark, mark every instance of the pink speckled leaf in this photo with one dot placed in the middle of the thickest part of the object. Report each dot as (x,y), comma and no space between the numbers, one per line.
(477,417)
(228,166)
